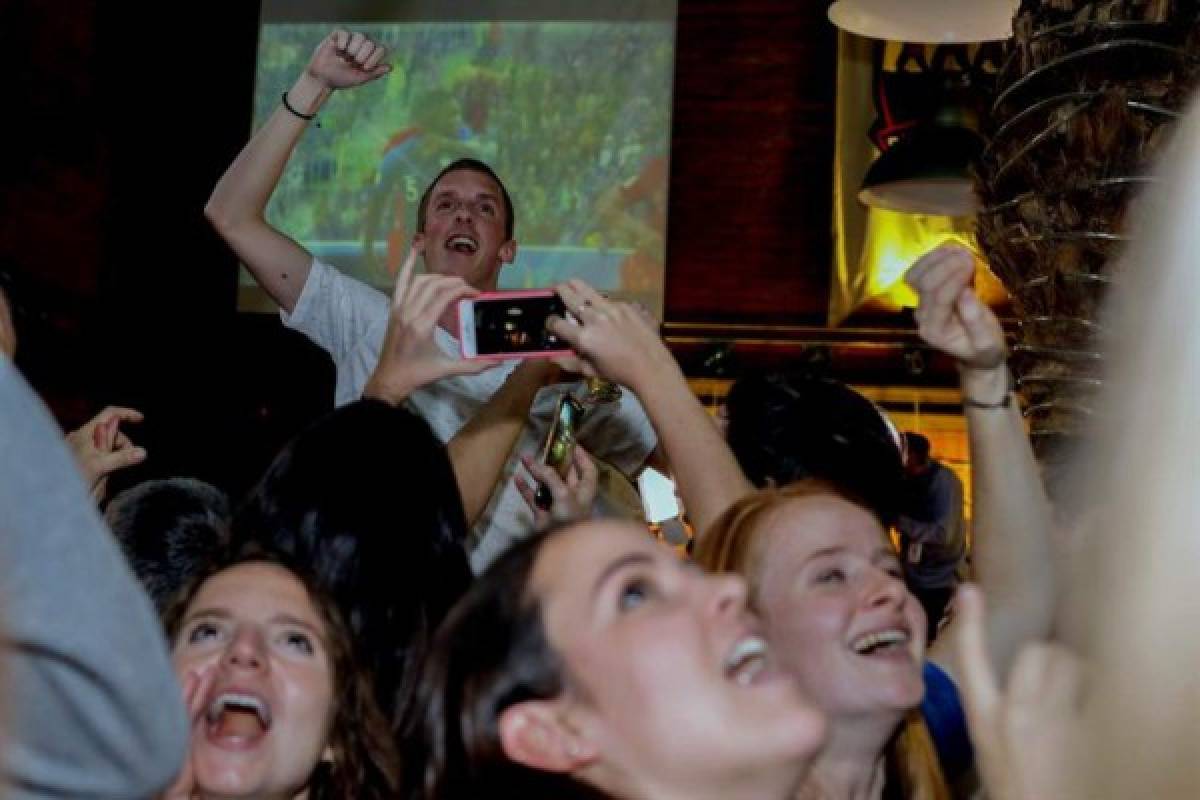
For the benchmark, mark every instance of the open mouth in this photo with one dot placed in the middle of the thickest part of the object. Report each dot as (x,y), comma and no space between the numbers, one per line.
(238,718)
(885,642)
(748,661)
(461,243)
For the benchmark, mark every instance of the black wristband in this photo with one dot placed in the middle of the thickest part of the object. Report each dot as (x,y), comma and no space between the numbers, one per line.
(288,106)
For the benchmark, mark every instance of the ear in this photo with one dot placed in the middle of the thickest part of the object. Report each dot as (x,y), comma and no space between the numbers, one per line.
(532,734)
(508,251)
(418,242)
(327,755)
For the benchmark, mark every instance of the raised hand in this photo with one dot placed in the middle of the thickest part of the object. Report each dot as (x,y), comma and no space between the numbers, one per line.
(572,498)
(615,340)
(410,357)
(344,59)
(951,317)
(1023,734)
(101,448)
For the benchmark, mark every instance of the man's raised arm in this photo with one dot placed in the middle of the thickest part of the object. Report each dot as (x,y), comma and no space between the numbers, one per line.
(238,204)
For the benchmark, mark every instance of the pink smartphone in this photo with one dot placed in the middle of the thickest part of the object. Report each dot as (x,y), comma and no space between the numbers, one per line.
(507,325)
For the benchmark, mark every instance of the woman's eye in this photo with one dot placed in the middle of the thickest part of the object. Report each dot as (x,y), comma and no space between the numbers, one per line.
(444,205)
(203,632)
(831,576)
(634,595)
(487,209)
(300,642)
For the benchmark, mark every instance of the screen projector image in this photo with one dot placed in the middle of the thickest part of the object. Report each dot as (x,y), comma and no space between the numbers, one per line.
(571,108)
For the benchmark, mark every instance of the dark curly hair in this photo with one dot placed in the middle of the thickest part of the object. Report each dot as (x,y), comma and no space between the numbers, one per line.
(365,762)
(169,530)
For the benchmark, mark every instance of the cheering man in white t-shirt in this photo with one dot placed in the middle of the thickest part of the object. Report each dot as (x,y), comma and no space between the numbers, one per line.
(465,225)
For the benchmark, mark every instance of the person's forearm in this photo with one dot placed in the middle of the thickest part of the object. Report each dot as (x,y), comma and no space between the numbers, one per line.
(1012,552)
(479,451)
(238,203)
(244,189)
(706,473)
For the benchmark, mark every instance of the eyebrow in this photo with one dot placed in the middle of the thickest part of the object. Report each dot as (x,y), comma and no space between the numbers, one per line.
(278,619)
(627,560)
(882,554)
(833,550)
(218,613)
(289,619)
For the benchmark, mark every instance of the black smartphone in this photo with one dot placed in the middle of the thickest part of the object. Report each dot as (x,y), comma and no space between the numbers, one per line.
(507,325)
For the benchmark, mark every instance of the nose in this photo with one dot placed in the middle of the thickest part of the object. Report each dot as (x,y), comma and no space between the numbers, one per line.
(462,211)
(885,589)
(246,651)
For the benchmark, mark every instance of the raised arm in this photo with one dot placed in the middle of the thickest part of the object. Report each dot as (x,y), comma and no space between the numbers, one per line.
(92,706)
(621,342)
(1012,552)
(237,208)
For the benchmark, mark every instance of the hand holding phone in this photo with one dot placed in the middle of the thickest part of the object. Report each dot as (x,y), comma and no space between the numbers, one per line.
(410,357)
(510,325)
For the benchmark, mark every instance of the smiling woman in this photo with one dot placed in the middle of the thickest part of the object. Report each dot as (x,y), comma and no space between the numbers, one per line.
(835,605)
(591,662)
(280,706)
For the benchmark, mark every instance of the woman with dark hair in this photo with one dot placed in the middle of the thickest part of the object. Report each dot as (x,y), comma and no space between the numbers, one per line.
(591,662)
(280,702)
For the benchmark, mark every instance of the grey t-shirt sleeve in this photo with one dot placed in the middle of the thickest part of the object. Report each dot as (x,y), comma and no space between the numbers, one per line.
(91,705)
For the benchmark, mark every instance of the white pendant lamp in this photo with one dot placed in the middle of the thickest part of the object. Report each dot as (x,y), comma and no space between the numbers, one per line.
(926,21)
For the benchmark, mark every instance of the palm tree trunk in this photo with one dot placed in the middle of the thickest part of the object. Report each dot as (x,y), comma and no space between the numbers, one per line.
(1083,103)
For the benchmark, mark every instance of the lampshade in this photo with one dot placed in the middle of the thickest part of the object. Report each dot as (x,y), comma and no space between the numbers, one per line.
(926,21)
(927,171)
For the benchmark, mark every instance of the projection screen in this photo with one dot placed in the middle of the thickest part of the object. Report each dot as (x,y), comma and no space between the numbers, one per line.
(570,103)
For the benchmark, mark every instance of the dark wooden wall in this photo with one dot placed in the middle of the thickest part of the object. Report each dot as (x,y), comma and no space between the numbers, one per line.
(121,133)
(751,163)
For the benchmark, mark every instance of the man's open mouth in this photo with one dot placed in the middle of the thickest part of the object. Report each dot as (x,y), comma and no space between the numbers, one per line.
(461,243)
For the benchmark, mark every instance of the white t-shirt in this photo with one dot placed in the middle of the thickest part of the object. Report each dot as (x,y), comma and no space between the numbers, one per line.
(348,319)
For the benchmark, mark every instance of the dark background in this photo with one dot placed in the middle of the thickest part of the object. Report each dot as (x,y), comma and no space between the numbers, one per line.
(120,122)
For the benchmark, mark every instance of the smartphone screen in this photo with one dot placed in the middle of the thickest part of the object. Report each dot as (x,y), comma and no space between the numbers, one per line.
(515,324)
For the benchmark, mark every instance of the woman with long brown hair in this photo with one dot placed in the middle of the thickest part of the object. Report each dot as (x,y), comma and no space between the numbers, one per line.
(591,662)
(280,702)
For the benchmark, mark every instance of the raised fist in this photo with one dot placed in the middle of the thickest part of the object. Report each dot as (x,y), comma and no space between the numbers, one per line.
(344,59)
